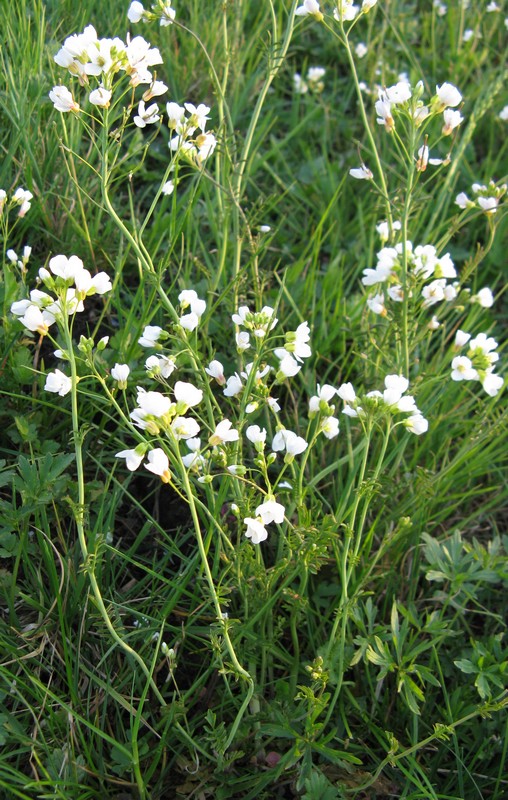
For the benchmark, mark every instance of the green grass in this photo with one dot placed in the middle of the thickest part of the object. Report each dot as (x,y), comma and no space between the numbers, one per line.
(149,649)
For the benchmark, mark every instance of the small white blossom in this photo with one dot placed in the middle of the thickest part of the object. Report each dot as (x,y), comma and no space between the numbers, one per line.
(361,49)
(120,373)
(58,383)
(234,386)
(309,8)
(271,511)
(168,188)
(158,463)
(462,369)
(484,298)
(224,432)
(461,338)
(62,99)
(448,95)
(146,116)
(100,97)
(362,173)
(256,531)
(150,336)
(216,370)
(136,12)
(416,424)
(133,458)
(257,436)
(187,394)
(452,120)
(290,442)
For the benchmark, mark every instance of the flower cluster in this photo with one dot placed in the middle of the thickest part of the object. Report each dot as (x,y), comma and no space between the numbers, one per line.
(487,198)
(400,98)
(392,401)
(184,121)
(313,81)
(347,11)
(71,284)
(478,363)
(85,55)
(427,276)
(20,197)
(162,11)
(22,262)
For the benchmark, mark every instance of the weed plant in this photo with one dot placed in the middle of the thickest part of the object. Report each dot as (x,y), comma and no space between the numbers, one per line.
(253,486)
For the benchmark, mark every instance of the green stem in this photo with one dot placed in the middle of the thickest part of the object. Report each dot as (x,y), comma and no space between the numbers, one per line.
(88,558)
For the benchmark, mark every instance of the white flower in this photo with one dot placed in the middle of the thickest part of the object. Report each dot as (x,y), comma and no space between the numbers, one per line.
(290,442)
(146,116)
(347,393)
(461,338)
(175,114)
(361,49)
(320,401)
(462,369)
(185,427)
(188,297)
(368,4)
(424,159)
(452,120)
(216,370)
(448,95)
(133,458)
(62,99)
(158,463)
(168,188)
(257,436)
(155,89)
(329,427)
(120,373)
(234,386)
(492,7)
(434,292)
(136,12)
(395,386)
(492,383)
(484,298)
(362,173)
(400,93)
(376,303)
(309,8)
(58,382)
(488,204)
(300,86)
(503,114)
(483,342)
(100,97)
(384,114)
(242,339)
(36,320)
(189,321)
(463,201)
(416,424)
(66,268)
(296,342)
(288,366)
(150,336)
(271,511)
(160,365)
(198,115)
(256,531)
(345,11)
(153,404)
(168,15)
(206,144)
(187,394)
(223,433)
